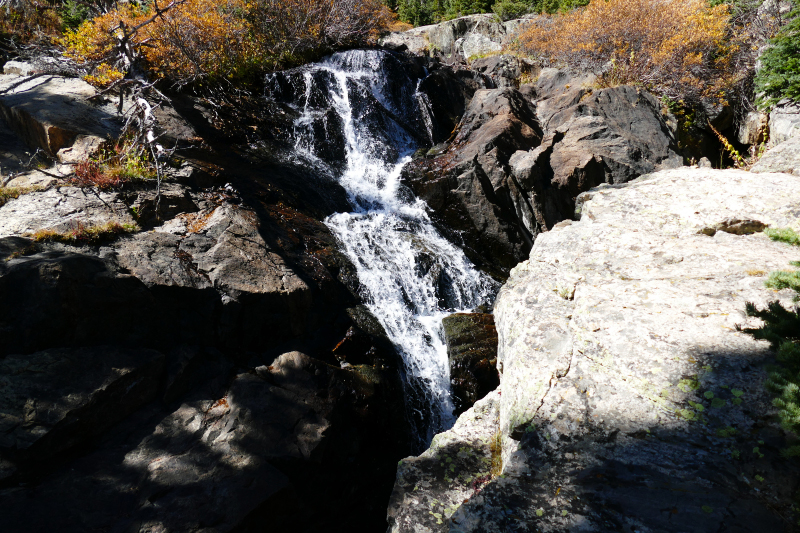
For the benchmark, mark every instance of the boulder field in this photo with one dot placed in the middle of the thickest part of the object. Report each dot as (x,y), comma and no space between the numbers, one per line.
(628,399)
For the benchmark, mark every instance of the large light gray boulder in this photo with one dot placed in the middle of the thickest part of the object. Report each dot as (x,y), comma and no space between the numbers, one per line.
(628,399)
(50,112)
(784,157)
(464,37)
(784,122)
(62,209)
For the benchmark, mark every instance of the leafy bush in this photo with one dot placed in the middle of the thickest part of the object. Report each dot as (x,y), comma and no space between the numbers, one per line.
(674,47)
(782,330)
(779,76)
(24,20)
(235,40)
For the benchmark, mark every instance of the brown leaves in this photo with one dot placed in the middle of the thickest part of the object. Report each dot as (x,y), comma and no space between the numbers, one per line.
(229,39)
(670,46)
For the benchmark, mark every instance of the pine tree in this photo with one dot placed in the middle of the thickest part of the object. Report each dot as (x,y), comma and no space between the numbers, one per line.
(779,76)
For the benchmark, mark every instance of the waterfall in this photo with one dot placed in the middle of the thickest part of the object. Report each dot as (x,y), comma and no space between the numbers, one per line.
(361,117)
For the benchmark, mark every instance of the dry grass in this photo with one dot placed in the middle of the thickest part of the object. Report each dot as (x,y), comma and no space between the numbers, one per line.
(82,234)
(10,193)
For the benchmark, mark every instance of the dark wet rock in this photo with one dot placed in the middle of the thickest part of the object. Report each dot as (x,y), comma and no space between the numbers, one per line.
(468,186)
(504,70)
(152,207)
(56,400)
(446,93)
(609,136)
(472,351)
(521,157)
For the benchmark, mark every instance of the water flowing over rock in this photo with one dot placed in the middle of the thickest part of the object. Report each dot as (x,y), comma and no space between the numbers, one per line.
(186,376)
(628,400)
(410,275)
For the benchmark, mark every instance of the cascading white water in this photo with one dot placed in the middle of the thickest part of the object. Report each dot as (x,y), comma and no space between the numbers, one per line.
(411,275)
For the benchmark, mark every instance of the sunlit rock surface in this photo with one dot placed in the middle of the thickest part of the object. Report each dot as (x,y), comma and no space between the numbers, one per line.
(628,400)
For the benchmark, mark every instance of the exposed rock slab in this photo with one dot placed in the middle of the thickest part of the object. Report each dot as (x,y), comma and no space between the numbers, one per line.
(782,158)
(255,455)
(62,209)
(222,247)
(521,157)
(55,400)
(628,399)
(784,122)
(49,112)
(469,36)
(430,488)
(468,186)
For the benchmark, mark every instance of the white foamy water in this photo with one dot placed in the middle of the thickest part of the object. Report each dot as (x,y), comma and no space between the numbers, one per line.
(411,276)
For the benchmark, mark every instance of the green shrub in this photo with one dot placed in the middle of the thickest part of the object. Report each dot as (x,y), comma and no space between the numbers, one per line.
(782,330)
(779,76)
(509,9)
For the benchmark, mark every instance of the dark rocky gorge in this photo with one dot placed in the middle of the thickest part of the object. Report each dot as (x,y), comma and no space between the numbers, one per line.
(263,352)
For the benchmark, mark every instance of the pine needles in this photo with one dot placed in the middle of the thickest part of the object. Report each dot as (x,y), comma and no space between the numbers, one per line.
(781,329)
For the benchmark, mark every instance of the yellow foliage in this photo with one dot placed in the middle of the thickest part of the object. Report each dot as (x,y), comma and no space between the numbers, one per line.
(228,39)
(666,45)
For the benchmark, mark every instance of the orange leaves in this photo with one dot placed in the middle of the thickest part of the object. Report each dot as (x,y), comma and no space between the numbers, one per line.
(227,39)
(666,45)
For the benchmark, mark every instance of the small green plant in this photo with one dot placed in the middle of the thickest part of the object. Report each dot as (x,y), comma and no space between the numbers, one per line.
(113,166)
(509,9)
(787,235)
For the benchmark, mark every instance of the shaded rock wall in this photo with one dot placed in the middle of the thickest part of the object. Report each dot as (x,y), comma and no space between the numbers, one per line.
(185,377)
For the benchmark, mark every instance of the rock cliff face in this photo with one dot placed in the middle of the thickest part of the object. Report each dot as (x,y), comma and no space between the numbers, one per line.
(628,400)
(520,157)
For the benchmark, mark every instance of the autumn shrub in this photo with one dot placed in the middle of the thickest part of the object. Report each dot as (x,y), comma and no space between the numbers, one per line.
(677,48)
(24,19)
(113,167)
(187,41)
